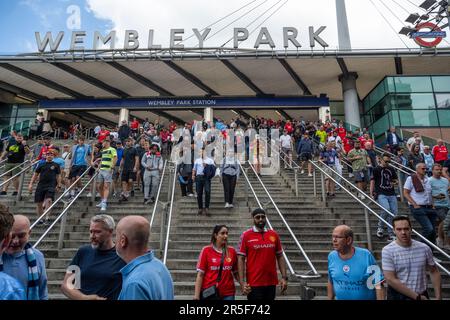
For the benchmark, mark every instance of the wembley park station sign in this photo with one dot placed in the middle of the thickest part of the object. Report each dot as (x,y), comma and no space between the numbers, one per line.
(133,40)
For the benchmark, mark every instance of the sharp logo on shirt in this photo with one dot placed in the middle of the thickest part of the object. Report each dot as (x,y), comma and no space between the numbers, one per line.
(224,268)
(346,268)
(264,246)
(272,238)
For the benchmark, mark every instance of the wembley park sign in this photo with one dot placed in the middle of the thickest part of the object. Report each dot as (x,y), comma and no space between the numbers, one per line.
(133,40)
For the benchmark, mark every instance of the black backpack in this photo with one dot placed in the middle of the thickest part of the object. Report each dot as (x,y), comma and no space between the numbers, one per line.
(209,171)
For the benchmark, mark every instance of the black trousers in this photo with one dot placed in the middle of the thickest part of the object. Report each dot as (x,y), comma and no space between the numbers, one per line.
(262,293)
(187,188)
(202,183)
(229,185)
(393,294)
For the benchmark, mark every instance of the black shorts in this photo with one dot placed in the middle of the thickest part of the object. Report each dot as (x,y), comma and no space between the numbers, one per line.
(128,175)
(305,156)
(43,193)
(77,171)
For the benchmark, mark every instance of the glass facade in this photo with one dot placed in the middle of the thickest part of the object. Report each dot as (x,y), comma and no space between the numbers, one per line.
(407,101)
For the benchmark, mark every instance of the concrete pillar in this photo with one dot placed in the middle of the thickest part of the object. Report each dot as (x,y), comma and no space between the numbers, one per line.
(351,100)
(123,115)
(44,113)
(208,114)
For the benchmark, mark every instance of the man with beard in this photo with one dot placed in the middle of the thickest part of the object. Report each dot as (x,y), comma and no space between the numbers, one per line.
(25,263)
(259,251)
(96,265)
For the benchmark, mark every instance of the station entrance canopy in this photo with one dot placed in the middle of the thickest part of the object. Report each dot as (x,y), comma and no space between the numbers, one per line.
(208,74)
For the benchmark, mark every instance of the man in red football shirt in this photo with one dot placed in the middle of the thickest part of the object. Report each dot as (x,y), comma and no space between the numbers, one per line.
(440,152)
(259,251)
(341,131)
(103,134)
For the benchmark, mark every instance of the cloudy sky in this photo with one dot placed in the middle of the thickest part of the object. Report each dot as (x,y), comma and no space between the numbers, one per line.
(367,20)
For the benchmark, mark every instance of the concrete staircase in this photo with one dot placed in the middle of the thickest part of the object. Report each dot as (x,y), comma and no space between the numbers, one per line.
(311,221)
(320,220)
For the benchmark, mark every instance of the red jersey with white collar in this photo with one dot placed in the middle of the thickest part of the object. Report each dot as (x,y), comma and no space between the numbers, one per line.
(261,250)
(209,264)
(440,153)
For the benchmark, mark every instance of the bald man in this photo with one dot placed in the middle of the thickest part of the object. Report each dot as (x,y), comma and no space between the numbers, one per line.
(25,263)
(353,273)
(144,277)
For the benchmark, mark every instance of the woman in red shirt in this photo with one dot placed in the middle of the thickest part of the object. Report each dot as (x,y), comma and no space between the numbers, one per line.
(209,264)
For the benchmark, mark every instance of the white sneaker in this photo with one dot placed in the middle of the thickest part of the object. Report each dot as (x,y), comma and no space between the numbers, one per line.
(310,175)
(103,207)
(351,175)
(190,195)
(89,195)
(230,205)
(98,205)
(302,172)
(227,205)
(361,196)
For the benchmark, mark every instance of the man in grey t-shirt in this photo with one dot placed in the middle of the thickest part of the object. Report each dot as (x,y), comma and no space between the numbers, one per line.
(405,263)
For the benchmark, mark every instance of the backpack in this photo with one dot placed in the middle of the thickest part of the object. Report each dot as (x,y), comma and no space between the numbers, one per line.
(209,171)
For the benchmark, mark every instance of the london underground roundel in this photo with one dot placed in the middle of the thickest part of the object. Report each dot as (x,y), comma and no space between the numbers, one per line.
(430,38)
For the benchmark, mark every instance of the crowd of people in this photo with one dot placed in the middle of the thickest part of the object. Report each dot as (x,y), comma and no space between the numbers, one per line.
(130,159)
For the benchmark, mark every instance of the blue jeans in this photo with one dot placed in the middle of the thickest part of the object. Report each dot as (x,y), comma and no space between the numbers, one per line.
(390,204)
(426,217)
(228,298)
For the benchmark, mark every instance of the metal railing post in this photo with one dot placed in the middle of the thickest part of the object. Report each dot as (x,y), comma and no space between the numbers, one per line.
(368,230)
(246,187)
(93,191)
(163,223)
(400,185)
(62,230)
(21,183)
(296,181)
(314,184)
(322,179)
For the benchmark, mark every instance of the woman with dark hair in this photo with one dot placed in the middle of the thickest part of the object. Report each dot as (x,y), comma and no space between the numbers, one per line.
(215,268)
(415,157)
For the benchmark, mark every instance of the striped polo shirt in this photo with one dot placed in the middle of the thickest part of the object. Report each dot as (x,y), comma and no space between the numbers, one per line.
(107,158)
(408,263)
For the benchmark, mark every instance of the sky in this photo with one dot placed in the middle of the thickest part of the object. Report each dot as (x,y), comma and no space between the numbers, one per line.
(20,19)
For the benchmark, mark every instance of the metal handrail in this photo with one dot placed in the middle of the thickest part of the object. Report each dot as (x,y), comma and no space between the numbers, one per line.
(10,170)
(61,197)
(397,165)
(157,195)
(166,246)
(63,212)
(303,276)
(378,205)
(19,173)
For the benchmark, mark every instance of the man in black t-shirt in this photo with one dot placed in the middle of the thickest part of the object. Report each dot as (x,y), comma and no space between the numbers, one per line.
(129,166)
(15,154)
(96,266)
(382,190)
(49,175)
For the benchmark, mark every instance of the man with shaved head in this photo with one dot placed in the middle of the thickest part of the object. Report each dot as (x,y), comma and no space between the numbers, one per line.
(353,273)
(25,263)
(144,277)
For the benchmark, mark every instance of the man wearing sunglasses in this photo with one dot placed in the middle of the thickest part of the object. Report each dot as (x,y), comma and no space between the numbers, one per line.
(259,252)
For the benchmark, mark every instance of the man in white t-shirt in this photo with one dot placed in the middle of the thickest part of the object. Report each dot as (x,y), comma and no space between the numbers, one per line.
(286,148)
(405,262)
